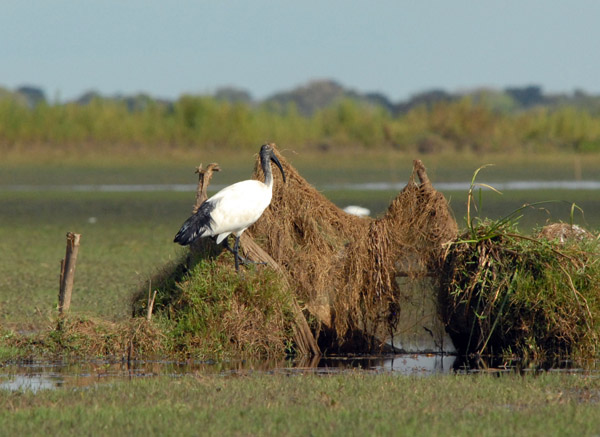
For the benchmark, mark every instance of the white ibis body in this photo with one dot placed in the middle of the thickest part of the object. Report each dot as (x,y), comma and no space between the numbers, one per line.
(233,209)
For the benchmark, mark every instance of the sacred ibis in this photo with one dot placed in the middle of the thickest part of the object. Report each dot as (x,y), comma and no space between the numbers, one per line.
(233,209)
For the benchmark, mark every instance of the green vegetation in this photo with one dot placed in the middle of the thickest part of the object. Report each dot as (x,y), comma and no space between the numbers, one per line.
(522,295)
(526,298)
(127,239)
(535,298)
(208,311)
(471,123)
(9,352)
(306,404)
(127,236)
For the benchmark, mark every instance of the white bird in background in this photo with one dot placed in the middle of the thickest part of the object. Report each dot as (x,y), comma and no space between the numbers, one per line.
(233,209)
(357,211)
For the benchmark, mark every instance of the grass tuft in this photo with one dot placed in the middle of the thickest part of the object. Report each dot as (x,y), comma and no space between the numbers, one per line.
(532,297)
(213,312)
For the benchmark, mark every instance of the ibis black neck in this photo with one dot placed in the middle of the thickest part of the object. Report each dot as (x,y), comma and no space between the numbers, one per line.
(265,163)
(266,156)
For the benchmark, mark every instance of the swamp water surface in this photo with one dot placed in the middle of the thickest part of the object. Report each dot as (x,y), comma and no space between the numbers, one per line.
(39,375)
(369,186)
(556,196)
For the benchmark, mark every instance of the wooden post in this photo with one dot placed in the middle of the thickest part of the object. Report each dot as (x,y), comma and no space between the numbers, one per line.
(204,245)
(204,177)
(67,272)
(150,305)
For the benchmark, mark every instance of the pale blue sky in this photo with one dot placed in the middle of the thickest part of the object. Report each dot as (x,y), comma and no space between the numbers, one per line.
(398,47)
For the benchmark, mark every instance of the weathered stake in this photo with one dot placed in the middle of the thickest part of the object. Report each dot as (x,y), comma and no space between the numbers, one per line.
(150,305)
(67,272)
(204,177)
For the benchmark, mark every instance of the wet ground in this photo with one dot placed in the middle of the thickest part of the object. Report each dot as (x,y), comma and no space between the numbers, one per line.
(36,375)
(41,375)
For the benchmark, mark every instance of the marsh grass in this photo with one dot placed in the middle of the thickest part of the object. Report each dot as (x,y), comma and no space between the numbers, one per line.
(291,403)
(531,297)
(8,352)
(131,238)
(216,315)
(76,337)
(209,310)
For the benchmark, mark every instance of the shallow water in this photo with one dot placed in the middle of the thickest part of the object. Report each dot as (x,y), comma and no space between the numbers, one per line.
(44,375)
(36,375)
(369,186)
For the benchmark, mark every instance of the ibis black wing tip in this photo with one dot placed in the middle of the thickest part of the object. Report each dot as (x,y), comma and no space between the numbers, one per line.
(195,226)
(187,234)
(180,240)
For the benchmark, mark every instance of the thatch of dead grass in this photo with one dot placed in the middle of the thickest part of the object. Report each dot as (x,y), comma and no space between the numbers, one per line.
(344,268)
(340,267)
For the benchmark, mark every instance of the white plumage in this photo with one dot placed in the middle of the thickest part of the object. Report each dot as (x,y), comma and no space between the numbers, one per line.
(357,210)
(233,209)
(237,207)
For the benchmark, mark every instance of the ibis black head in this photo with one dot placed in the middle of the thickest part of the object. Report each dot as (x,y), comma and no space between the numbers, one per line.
(266,154)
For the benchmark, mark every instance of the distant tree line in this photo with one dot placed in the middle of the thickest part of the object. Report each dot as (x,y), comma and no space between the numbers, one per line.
(319,115)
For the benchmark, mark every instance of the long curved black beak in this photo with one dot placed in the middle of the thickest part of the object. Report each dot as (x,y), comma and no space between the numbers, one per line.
(276,161)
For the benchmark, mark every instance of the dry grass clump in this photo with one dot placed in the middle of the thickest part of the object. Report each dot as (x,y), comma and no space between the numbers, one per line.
(307,235)
(533,298)
(563,232)
(344,268)
(406,242)
(340,267)
(91,337)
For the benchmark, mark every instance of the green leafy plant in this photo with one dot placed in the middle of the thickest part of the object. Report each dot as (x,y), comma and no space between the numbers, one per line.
(528,296)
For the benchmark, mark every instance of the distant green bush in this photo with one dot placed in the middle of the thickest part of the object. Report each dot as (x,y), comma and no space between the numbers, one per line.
(467,124)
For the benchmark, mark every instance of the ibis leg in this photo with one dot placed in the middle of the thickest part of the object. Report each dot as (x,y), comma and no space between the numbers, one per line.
(236,247)
(236,254)
(234,250)
(226,245)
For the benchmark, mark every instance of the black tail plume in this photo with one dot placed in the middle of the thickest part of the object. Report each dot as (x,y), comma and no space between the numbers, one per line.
(196,225)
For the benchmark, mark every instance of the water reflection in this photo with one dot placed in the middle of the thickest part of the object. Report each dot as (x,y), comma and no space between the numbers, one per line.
(42,375)
(464,186)
(362,186)
(405,364)
(32,383)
